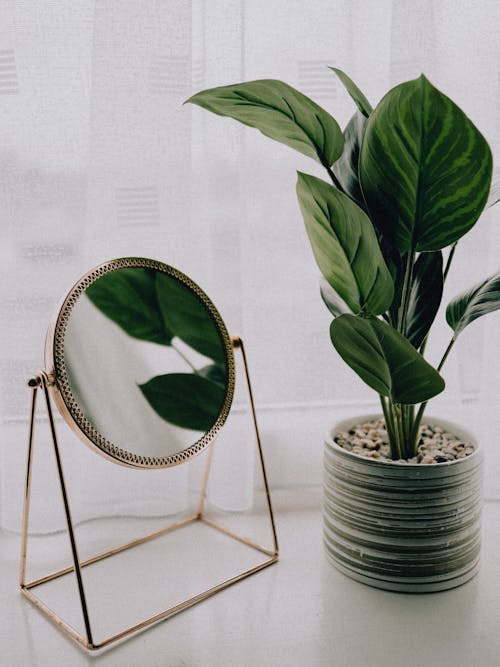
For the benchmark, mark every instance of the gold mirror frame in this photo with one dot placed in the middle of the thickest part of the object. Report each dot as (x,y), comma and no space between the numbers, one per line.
(67,402)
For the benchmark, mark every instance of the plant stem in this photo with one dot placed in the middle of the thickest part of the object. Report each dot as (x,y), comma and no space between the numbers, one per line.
(389,426)
(398,427)
(181,354)
(448,261)
(406,291)
(446,353)
(406,418)
(335,180)
(418,419)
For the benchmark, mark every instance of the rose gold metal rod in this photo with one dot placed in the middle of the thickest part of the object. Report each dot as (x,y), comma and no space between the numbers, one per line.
(57,620)
(239,538)
(44,381)
(238,344)
(184,605)
(115,550)
(78,572)
(34,383)
(206,475)
(54,618)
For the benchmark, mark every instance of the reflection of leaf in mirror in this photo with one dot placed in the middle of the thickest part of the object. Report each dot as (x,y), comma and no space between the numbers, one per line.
(186,400)
(214,372)
(128,297)
(186,316)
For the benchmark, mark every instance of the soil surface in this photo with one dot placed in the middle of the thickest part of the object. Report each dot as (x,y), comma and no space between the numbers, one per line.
(436,445)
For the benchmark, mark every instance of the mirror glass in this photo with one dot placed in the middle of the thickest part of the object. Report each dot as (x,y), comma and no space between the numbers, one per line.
(143,363)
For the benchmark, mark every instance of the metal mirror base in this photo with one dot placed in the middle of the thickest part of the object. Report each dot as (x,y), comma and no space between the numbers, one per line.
(42,382)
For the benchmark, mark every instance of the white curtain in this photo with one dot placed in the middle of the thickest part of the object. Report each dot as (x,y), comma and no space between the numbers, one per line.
(99,159)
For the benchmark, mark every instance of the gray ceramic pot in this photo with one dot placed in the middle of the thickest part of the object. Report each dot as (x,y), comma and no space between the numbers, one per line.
(403,527)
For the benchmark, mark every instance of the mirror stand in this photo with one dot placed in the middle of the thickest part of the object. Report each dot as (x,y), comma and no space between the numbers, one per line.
(43,381)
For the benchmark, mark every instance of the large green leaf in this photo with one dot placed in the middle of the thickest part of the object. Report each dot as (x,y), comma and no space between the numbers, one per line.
(280,112)
(185,399)
(425,296)
(359,98)
(480,300)
(346,167)
(128,298)
(384,359)
(188,318)
(425,169)
(345,246)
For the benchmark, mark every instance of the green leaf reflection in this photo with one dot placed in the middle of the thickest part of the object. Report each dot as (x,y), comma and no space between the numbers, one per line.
(185,399)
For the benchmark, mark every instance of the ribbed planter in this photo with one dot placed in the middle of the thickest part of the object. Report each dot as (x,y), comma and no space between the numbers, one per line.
(403,527)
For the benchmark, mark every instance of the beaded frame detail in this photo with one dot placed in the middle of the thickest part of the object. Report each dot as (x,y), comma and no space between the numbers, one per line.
(66,401)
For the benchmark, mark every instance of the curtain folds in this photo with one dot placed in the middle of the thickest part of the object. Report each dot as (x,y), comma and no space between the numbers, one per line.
(100,159)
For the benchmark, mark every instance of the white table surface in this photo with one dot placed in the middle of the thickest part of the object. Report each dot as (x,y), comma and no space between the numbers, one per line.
(298,612)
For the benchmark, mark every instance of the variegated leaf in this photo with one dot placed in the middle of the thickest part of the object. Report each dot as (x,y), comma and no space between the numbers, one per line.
(384,359)
(358,97)
(346,167)
(281,113)
(476,302)
(425,169)
(425,296)
(345,246)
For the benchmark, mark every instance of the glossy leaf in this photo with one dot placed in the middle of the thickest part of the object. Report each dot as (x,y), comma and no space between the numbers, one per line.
(425,296)
(476,302)
(346,167)
(425,169)
(359,98)
(345,246)
(128,298)
(331,299)
(384,359)
(185,399)
(281,113)
(188,318)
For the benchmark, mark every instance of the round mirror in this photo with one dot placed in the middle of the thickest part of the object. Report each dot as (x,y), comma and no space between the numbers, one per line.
(142,362)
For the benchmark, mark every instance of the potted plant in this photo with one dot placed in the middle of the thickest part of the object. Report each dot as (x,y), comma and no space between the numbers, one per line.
(406,181)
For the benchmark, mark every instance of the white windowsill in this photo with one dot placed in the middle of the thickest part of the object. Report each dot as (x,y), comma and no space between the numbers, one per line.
(299,612)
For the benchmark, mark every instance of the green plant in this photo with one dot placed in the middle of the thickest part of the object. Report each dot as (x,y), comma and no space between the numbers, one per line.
(154,307)
(408,179)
